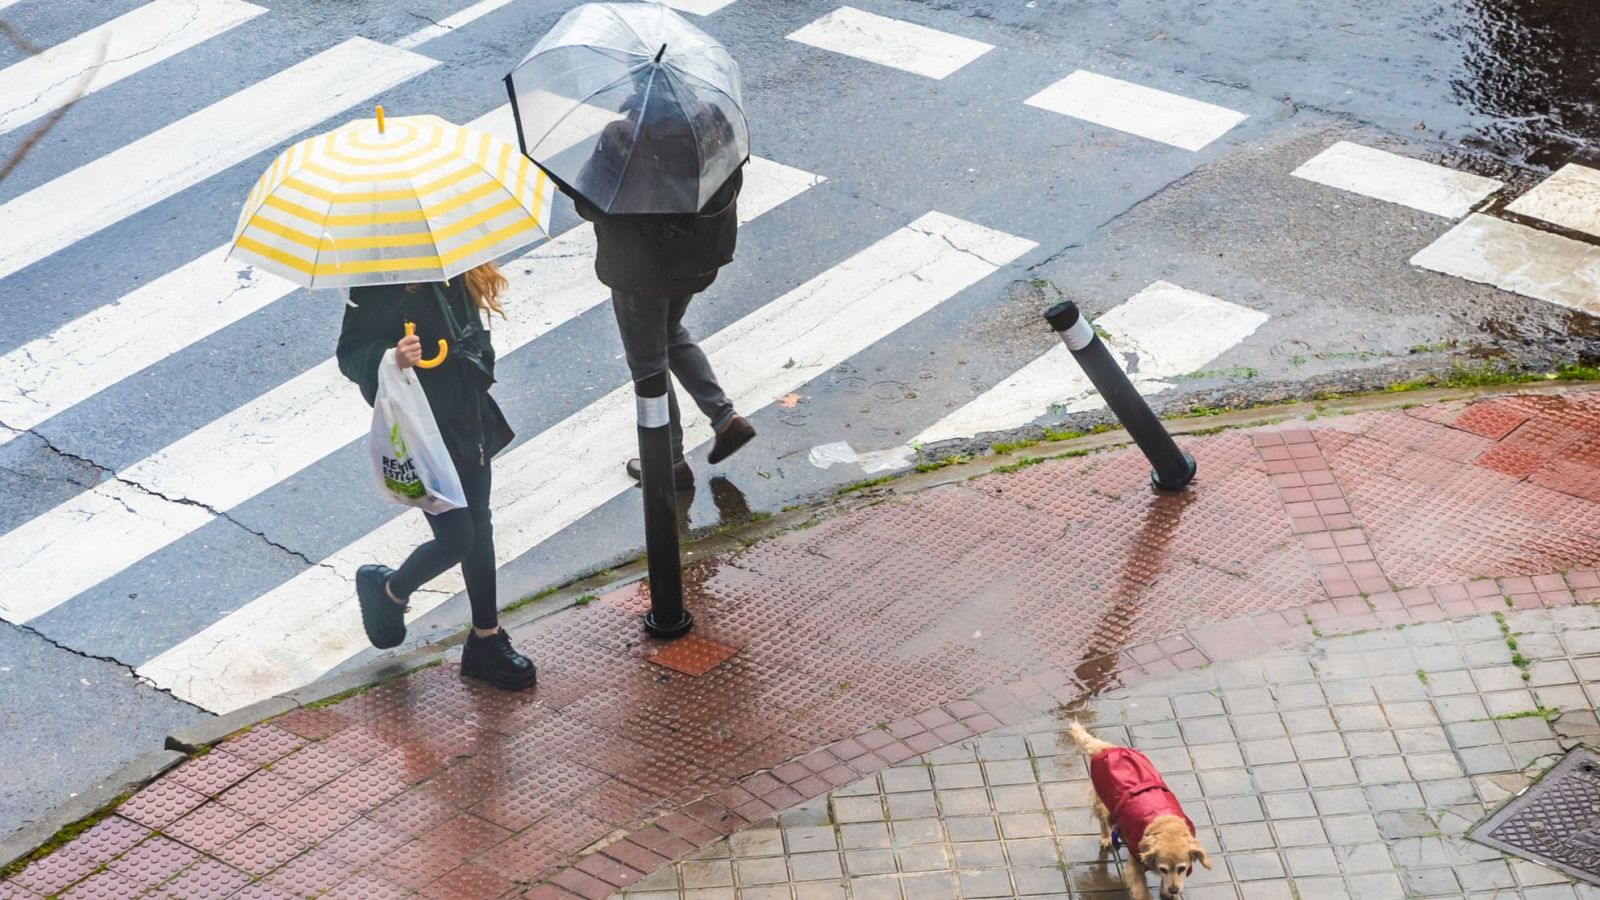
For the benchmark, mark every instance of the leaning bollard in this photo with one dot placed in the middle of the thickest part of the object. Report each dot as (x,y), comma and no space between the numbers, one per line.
(1174,469)
(667,618)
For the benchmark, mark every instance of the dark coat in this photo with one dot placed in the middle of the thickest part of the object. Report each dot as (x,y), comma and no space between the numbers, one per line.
(666,255)
(473,427)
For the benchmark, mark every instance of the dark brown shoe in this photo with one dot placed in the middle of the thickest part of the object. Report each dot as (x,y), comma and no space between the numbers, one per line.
(682,475)
(730,438)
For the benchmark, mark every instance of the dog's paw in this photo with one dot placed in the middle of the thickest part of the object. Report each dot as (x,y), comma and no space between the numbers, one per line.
(1105,844)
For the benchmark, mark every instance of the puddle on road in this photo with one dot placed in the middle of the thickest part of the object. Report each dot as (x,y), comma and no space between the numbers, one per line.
(1531,67)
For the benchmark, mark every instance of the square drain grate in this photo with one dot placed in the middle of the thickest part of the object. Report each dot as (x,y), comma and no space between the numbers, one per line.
(690,654)
(1556,821)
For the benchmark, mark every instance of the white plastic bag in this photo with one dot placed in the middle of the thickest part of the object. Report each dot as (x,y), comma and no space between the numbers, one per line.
(408,455)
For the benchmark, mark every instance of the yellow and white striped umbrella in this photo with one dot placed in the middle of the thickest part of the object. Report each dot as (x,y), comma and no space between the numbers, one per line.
(413,198)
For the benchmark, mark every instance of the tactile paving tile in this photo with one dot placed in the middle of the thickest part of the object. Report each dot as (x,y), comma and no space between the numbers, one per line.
(109,837)
(210,827)
(213,773)
(690,654)
(260,850)
(311,873)
(264,743)
(1490,419)
(105,885)
(367,886)
(56,871)
(206,878)
(154,861)
(262,794)
(160,804)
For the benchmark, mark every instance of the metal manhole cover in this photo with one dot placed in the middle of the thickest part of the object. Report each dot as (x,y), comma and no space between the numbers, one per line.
(1556,821)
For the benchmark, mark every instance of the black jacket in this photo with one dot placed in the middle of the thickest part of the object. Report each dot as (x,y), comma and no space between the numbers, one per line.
(666,255)
(458,392)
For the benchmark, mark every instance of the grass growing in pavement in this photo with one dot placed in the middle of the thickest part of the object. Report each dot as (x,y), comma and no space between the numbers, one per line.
(1517,659)
(65,836)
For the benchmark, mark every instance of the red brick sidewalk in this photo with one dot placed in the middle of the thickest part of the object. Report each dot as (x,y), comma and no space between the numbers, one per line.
(910,624)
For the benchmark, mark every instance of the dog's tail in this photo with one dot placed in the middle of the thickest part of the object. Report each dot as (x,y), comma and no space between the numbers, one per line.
(1088,743)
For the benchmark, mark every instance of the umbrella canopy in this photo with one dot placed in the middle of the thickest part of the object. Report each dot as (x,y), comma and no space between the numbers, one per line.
(672,96)
(413,198)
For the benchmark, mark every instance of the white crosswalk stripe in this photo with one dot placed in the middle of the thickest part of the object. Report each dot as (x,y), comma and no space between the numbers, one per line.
(450,23)
(698,7)
(130,179)
(1569,198)
(1160,333)
(1144,111)
(1393,178)
(104,55)
(572,468)
(1519,259)
(891,42)
(259,444)
(50,374)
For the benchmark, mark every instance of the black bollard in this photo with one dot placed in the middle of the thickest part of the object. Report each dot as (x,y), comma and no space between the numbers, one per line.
(1174,469)
(667,618)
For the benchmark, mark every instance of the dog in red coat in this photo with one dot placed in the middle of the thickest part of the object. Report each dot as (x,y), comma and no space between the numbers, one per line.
(1130,796)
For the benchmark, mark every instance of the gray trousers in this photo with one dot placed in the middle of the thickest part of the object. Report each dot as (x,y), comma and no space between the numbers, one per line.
(654,340)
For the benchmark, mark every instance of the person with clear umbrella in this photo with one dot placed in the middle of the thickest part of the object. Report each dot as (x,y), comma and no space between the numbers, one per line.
(660,182)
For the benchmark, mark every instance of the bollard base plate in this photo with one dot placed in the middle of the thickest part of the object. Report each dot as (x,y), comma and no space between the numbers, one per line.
(655,629)
(1178,483)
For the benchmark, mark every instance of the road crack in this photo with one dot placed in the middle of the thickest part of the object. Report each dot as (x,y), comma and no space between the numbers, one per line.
(110,660)
(108,473)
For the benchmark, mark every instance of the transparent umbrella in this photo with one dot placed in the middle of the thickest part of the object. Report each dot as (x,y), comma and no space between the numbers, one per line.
(632,107)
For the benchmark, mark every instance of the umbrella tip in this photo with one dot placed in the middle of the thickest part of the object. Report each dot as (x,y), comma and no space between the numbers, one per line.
(662,52)
(380,120)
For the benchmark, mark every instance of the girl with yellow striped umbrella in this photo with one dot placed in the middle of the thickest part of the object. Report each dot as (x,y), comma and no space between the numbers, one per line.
(410,214)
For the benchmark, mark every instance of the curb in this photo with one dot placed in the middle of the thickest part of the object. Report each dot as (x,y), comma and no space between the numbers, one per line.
(181,744)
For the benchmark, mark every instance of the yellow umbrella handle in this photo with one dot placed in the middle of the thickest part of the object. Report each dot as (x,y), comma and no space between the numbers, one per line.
(444,349)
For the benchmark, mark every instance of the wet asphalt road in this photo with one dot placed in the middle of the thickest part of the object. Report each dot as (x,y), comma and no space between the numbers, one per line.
(1505,89)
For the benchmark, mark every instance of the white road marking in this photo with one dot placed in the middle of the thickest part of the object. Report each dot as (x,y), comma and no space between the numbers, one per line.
(698,7)
(1519,259)
(50,374)
(891,42)
(308,625)
(131,43)
(1166,330)
(1149,113)
(147,171)
(1569,198)
(270,438)
(1393,178)
(450,23)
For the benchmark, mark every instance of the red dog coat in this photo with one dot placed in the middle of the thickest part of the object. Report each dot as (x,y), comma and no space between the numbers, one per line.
(1133,791)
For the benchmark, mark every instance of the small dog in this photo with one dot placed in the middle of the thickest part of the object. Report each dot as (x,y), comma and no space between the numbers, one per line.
(1130,796)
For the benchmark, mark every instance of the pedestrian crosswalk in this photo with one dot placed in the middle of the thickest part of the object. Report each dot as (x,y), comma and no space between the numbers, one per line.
(567,471)
(74,206)
(108,53)
(852,274)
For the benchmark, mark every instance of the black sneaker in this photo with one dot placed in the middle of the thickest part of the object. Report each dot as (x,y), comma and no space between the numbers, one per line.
(735,433)
(494,660)
(384,619)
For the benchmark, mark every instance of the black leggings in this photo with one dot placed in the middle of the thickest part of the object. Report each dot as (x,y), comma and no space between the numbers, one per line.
(464,536)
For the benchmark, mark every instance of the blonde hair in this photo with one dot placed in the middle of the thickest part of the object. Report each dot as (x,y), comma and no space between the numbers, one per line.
(485,283)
